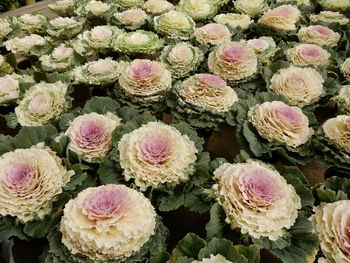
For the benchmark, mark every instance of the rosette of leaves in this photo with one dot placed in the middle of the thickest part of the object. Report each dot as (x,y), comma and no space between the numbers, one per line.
(331,143)
(5,67)
(265,48)
(65,27)
(329,17)
(138,42)
(101,72)
(256,146)
(58,252)
(181,59)
(128,4)
(174,25)
(194,249)
(330,218)
(131,19)
(343,100)
(93,8)
(105,107)
(63,7)
(31,45)
(6,29)
(41,104)
(198,9)
(27,138)
(13,87)
(314,85)
(32,23)
(252,8)
(334,5)
(165,196)
(219,98)
(61,59)
(297,244)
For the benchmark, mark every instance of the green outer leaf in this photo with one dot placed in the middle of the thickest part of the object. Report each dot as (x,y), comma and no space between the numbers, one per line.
(188,247)
(29,136)
(101,105)
(216,224)
(5,144)
(67,118)
(172,201)
(10,226)
(333,189)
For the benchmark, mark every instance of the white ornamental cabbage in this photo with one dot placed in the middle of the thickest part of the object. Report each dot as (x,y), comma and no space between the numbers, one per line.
(157,7)
(156,154)
(100,72)
(318,35)
(174,24)
(138,42)
(10,86)
(278,122)
(256,199)
(145,80)
(181,59)
(5,67)
(82,47)
(65,27)
(198,9)
(90,135)
(213,33)
(213,259)
(128,4)
(92,8)
(345,68)
(329,17)
(131,19)
(61,59)
(109,222)
(32,45)
(101,36)
(42,103)
(282,18)
(233,61)
(298,2)
(63,7)
(343,98)
(30,180)
(252,8)
(331,222)
(301,86)
(335,5)
(264,47)
(234,20)
(337,129)
(5,28)
(32,23)
(209,92)
(308,54)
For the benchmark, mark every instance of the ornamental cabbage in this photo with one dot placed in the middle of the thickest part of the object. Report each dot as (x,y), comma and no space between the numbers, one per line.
(278,122)
(264,47)
(157,7)
(345,68)
(233,61)
(308,54)
(42,103)
(337,130)
(181,59)
(331,223)
(30,179)
(282,18)
(138,42)
(252,8)
(109,222)
(145,80)
(198,9)
(63,7)
(130,19)
(32,23)
(234,20)
(32,45)
(318,35)
(100,37)
(329,17)
(10,86)
(335,5)
(213,34)
(65,27)
(256,198)
(156,154)
(101,72)
(174,24)
(61,59)
(301,86)
(90,135)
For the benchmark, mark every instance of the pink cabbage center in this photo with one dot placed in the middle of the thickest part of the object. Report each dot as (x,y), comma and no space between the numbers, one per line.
(281,12)
(155,148)
(210,80)
(321,30)
(18,175)
(289,115)
(142,70)
(310,52)
(91,133)
(105,203)
(234,54)
(214,29)
(260,187)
